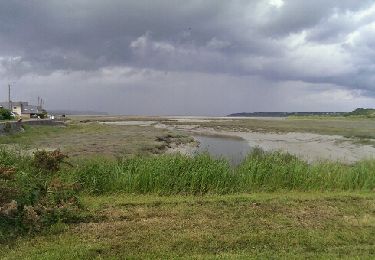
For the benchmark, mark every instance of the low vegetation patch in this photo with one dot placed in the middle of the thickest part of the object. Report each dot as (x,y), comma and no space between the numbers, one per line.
(91,139)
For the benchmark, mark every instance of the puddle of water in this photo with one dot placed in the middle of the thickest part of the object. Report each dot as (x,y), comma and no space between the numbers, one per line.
(234,150)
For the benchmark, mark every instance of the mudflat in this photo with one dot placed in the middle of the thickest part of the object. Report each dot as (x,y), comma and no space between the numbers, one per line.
(322,141)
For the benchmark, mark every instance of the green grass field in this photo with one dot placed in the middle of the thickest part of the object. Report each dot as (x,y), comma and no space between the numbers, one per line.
(261,225)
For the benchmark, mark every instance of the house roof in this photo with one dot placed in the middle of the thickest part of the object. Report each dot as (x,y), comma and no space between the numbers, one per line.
(30,109)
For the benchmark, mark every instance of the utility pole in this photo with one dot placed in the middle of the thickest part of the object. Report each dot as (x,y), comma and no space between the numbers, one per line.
(9,102)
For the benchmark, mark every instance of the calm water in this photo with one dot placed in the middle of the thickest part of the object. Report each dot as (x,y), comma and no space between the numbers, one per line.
(234,150)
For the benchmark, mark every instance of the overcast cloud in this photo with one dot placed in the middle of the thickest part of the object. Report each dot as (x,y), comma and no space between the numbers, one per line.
(189,57)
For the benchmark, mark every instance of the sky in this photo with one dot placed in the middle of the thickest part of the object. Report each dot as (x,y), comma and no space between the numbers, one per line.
(208,57)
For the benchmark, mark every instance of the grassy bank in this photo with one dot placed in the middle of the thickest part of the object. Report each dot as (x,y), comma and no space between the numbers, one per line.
(260,225)
(272,205)
(200,174)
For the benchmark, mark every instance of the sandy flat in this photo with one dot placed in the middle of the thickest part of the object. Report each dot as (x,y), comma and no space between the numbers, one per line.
(202,119)
(311,147)
(307,146)
(130,123)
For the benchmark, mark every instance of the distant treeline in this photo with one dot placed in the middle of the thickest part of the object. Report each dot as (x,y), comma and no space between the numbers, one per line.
(285,114)
(364,112)
(368,112)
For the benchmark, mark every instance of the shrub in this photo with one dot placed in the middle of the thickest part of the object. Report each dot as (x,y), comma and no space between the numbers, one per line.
(49,161)
(5,114)
(32,193)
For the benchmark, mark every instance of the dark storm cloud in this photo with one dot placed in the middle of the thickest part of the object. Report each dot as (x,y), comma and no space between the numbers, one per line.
(299,15)
(52,32)
(320,42)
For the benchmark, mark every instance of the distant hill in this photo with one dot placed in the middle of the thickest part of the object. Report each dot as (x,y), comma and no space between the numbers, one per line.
(75,112)
(285,114)
(367,112)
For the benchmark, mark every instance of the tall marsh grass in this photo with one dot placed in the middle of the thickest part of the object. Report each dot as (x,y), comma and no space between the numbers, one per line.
(201,174)
(260,171)
(163,174)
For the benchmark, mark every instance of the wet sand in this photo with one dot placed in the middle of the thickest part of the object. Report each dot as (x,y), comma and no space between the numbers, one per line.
(310,147)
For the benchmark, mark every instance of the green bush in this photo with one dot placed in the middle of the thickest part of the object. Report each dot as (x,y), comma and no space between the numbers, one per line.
(5,114)
(32,196)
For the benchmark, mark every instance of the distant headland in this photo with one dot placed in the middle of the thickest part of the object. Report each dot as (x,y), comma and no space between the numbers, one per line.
(363,112)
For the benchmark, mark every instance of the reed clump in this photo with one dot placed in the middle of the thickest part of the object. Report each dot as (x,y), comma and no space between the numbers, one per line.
(163,174)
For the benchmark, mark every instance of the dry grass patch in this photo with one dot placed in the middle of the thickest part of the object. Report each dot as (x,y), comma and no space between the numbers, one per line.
(93,139)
